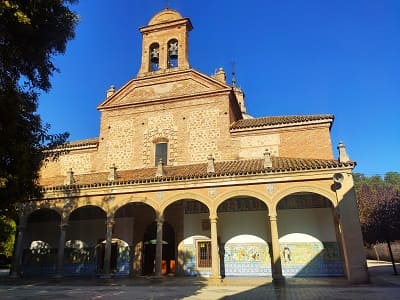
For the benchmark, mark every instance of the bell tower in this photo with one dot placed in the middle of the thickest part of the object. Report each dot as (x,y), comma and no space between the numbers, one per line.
(165,43)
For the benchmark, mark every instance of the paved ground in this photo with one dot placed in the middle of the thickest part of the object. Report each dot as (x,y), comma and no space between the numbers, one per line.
(383,285)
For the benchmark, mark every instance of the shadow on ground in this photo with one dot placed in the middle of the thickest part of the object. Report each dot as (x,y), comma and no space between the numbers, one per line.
(381,274)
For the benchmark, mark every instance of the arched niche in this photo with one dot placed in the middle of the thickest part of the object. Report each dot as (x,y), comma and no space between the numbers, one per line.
(131,221)
(173,52)
(154,57)
(190,219)
(308,236)
(44,225)
(243,237)
(120,258)
(87,223)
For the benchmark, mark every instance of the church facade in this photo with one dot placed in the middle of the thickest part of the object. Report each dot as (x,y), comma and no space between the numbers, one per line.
(181,180)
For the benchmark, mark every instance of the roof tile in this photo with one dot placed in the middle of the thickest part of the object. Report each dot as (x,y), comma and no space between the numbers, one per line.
(196,171)
(277,120)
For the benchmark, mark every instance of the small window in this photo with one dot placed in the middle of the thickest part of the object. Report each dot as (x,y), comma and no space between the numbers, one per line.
(204,254)
(161,153)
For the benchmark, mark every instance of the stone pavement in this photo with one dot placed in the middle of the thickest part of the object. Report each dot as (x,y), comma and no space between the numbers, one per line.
(383,285)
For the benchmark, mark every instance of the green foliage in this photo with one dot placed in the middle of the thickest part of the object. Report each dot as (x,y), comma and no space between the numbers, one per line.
(379,206)
(393,179)
(32,32)
(12,8)
(7,236)
(27,48)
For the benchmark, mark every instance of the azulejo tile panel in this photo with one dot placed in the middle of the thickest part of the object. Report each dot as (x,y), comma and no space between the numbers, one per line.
(246,259)
(311,259)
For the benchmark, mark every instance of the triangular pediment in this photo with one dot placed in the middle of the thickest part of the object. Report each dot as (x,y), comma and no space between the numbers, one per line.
(179,84)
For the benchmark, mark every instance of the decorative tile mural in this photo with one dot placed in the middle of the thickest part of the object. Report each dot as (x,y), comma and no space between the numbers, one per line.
(311,259)
(39,262)
(250,259)
(77,262)
(123,261)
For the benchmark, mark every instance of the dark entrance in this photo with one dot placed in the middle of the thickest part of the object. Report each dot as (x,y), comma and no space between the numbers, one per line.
(100,252)
(149,250)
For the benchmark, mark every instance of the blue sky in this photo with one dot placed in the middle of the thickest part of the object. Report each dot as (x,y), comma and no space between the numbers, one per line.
(291,57)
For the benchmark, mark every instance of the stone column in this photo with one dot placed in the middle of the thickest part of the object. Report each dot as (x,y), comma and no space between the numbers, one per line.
(276,257)
(215,272)
(350,230)
(60,250)
(107,252)
(16,263)
(159,246)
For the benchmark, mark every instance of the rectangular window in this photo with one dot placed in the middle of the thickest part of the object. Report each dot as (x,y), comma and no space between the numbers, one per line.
(161,153)
(204,254)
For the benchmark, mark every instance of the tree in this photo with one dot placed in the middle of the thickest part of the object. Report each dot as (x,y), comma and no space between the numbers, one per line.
(379,206)
(7,236)
(384,225)
(32,32)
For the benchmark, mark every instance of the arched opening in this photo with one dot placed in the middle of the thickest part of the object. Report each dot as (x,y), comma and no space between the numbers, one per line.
(76,253)
(243,235)
(192,247)
(154,57)
(131,222)
(308,236)
(120,257)
(86,228)
(168,249)
(172,53)
(40,248)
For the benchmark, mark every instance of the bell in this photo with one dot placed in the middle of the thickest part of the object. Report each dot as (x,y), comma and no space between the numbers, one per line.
(173,54)
(154,56)
(173,50)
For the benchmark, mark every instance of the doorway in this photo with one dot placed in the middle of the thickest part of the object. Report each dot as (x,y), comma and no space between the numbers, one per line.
(168,249)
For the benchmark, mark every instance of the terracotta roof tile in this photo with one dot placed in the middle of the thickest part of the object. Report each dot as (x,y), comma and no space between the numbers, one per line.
(196,171)
(79,143)
(277,120)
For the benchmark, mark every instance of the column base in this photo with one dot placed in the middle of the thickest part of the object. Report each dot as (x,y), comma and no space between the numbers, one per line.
(58,276)
(157,277)
(215,280)
(105,276)
(279,280)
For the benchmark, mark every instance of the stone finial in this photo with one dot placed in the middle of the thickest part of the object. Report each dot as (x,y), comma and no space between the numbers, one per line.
(70,177)
(210,164)
(343,157)
(267,159)
(110,91)
(160,169)
(113,173)
(220,75)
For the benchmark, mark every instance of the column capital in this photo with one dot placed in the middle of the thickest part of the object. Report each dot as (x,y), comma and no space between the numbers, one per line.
(110,221)
(273,217)
(160,219)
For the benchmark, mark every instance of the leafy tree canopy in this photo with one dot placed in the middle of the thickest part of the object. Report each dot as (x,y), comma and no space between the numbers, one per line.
(32,32)
(378,201)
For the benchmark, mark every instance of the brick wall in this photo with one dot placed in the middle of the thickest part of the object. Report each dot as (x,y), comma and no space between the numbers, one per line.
(193,129)
(303,142)
(306,142)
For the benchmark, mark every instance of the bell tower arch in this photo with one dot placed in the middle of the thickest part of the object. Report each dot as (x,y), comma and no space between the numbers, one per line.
(165,43)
